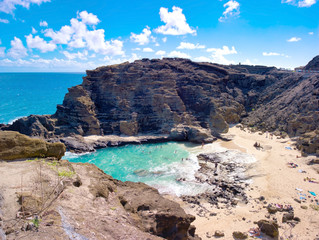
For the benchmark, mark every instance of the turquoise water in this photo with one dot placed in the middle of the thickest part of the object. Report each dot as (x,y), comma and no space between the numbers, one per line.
(23,94)
(159,165)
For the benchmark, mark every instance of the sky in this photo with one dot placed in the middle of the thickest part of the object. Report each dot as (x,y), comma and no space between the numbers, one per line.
(76,35)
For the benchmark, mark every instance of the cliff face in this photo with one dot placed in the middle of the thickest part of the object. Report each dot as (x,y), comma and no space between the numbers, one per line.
(313,64)
(183,99)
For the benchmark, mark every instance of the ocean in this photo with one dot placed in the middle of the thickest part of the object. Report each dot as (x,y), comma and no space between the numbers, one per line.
(23,94)
(159,165)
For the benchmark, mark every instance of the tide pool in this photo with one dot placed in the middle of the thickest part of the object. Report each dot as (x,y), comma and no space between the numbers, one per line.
(159,165)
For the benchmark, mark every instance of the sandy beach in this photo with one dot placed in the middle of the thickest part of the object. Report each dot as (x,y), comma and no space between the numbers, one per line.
(272,179)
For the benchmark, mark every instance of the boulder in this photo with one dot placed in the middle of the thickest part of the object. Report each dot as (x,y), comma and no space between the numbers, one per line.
(155,214)
(219,233)
(287,217)
(14,145)
(240,235)
(270,228)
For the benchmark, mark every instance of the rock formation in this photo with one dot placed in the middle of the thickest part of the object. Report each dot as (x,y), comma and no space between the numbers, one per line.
(313,64)
(80,201)
(14,145)
(182,99)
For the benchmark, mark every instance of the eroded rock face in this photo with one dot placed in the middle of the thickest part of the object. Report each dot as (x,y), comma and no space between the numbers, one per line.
(87,204)
(157,96)
(14,145)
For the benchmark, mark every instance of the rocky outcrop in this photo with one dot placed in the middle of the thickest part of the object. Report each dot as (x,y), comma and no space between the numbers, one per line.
(80,201)
(14,145)
(184,99)
(313,64)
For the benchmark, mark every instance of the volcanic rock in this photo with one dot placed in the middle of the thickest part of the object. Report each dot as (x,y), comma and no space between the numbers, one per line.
(14,145)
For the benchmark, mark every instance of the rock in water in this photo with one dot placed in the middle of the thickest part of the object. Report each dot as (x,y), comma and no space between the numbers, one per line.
(14,145)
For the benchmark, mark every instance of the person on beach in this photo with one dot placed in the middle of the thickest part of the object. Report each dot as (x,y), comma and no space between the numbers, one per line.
(203,144)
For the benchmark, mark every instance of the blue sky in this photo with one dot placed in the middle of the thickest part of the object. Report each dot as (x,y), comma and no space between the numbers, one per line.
(75,35)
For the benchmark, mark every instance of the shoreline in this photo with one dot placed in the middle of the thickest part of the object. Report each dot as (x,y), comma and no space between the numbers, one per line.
(273,181)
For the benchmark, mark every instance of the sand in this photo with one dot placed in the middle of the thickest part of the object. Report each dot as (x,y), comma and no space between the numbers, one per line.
(271,178)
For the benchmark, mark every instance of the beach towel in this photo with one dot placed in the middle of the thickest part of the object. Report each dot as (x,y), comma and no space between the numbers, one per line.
(312,193)
(289,148)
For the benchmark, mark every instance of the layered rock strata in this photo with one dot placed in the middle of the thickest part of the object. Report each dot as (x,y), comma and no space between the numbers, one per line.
(183,99)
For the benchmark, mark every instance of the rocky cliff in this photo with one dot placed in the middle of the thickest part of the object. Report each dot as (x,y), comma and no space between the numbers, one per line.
(182,99)
(49,199)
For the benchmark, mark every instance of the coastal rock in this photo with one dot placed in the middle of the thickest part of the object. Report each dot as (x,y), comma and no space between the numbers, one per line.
(155,97)
(99,208)
(270,228)
(240,235)
(313,64)
(14,145)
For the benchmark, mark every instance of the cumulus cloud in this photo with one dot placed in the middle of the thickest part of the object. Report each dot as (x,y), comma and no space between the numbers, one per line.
(34,31)
(142,38)
(77,35)
(300,3)
(148,50)
(160,53)
(81,55)
(39,43)
(164,39)
(17,49)
(219,53)
(88,18)
(178,54)
(4,20)
(186,45)
(2,54)
(175,22)
(310,33)
(8,6)
(294,39)
(202,59)
(62,36)
(43,24)
(232,10)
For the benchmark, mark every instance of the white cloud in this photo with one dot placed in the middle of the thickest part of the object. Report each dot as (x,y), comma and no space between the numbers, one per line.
(77,35)
(142,38)
(81,55)
(164,39)
(178,54)
(8,6)
(88,18)
(185,45)
(175,22)
(202,59)
(50,64)
(43,24)
(148,50)
(60,37)
(294,39)
(219,53)
(269,54)
(34,31)
(232,10)
(2,54)
(95,41)
(17,49)
(4,20)
(160,53)
(136,49)
(39,43)
(310,33)
(300,3)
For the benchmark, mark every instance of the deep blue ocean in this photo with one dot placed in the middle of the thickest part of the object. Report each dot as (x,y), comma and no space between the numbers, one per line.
(23,94)
(159,165)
